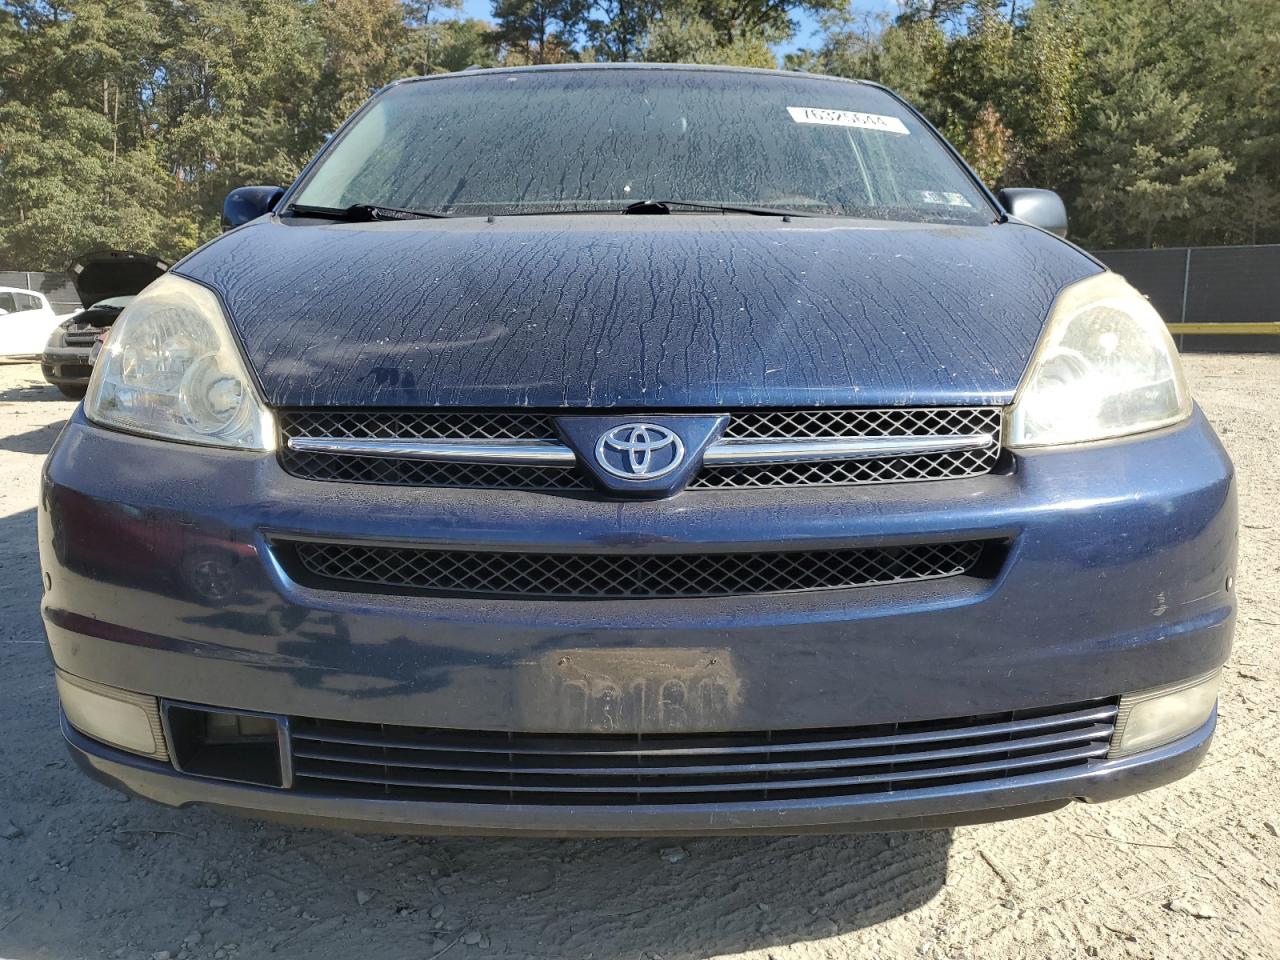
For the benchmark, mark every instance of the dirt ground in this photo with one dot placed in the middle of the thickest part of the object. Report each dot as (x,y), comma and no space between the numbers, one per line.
(1189,871)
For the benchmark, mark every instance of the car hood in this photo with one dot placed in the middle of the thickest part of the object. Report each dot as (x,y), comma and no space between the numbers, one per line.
(103,274)
(678,311)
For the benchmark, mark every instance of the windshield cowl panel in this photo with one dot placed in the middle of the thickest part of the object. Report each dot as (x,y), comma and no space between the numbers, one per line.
(601,140)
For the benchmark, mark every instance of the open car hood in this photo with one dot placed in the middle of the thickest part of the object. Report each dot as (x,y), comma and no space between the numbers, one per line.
(102,274)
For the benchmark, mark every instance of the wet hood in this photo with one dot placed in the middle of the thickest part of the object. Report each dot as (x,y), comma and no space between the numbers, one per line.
(104,274)
(680,311)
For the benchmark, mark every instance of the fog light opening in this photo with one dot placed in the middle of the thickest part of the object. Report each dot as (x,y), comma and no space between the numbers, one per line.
(120,718)
(222,744)
(1151,718)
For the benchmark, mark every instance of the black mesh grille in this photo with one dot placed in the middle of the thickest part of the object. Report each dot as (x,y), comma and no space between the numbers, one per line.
(404,569)
(417,473)
(414,425)
(744,425)
(870,422)
(883,422)
(433,764)
(936,466)
(375,425)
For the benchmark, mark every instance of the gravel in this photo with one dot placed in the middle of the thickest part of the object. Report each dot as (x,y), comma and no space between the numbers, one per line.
(1191,871)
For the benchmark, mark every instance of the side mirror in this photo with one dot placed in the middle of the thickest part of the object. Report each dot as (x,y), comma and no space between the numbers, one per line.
(1040,208)
(248,203)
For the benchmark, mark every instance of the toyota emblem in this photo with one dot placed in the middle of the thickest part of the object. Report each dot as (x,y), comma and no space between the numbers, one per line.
(639,451)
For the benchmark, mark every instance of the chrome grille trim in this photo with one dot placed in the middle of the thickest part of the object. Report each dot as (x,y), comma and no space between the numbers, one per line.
(754,452)
(424,763)
(544,453)
(520,453)
(517,450)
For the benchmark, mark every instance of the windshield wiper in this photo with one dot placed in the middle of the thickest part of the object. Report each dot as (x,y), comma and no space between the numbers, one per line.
(664,206)
(660,206)
(361,213)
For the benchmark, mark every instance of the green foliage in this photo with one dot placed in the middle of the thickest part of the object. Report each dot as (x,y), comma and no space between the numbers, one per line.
(125,122)
(1159,125)
(618,28)
(539,31)
(732,21)
(684,37)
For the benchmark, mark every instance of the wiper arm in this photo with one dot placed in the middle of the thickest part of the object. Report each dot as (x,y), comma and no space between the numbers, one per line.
(361,213)
(664,206)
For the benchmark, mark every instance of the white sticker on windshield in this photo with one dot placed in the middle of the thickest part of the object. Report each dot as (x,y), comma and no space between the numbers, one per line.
(847,118)
(945,199)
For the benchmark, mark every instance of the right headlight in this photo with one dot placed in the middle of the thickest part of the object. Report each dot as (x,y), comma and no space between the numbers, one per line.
(1105,367)
(171,369)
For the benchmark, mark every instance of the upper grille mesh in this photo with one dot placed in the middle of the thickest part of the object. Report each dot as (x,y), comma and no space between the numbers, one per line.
(870,422)
(878,422)
(450,425)
(415,425)
(744,425)
(634,575)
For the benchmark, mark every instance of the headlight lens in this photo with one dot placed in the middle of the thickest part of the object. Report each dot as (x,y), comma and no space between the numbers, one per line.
(170,369)
(1106,367)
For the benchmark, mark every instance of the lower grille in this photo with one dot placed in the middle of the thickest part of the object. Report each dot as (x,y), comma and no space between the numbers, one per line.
(431,764)
(70,371)
(339,566)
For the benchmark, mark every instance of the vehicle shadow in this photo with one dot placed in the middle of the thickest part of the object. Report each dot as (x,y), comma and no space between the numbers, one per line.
(36,441)
(293,892)
(82,872)
(34,389)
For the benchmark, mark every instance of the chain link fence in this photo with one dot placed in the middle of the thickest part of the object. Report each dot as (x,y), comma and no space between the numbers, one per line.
(1213,298)
(56,286)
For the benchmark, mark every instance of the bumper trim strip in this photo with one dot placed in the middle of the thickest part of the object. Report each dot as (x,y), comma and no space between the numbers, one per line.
(1063,738)
(653,744)
(1090,752)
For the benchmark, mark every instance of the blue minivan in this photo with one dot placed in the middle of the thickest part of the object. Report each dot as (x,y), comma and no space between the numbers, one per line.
(638,450)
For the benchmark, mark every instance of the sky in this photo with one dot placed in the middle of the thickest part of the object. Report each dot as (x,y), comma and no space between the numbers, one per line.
(806,35)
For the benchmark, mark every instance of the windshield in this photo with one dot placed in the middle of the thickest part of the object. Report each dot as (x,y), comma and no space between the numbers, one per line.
(598,140)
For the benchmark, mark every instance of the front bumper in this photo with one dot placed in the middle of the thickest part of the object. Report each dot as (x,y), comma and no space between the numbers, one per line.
(161,580)
(910,810)
(67,366)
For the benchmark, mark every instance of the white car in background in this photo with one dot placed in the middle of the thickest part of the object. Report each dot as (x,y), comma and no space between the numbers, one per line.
(26,321)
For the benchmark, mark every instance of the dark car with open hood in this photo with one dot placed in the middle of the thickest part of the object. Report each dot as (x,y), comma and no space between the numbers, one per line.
(105,281)
(638,450)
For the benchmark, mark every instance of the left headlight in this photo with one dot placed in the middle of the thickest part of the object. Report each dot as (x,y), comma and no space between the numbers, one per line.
(1105,367)
(171,369)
